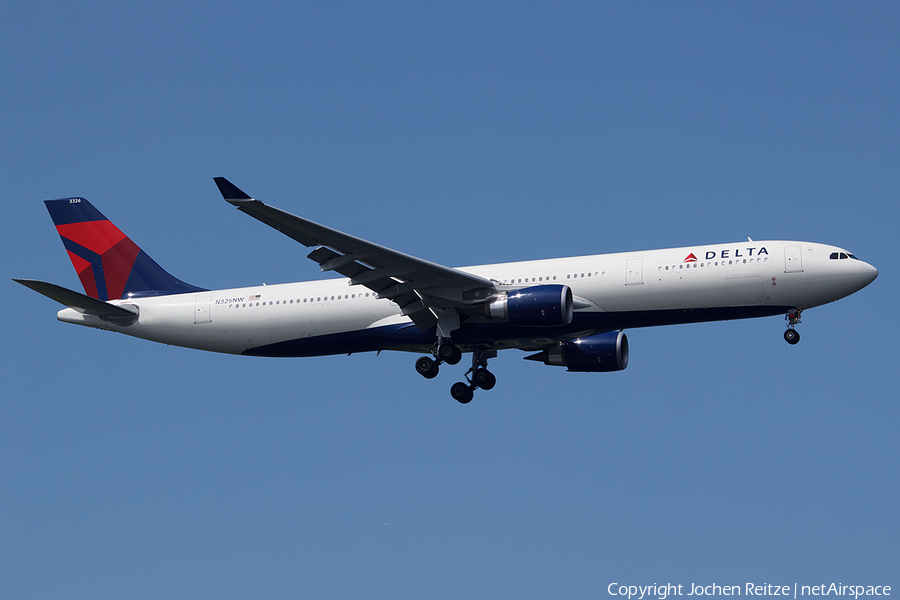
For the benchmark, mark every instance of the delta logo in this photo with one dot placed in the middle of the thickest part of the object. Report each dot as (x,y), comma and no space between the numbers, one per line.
(730,253)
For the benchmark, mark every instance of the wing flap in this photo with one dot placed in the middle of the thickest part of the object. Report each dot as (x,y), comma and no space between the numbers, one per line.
(345,264)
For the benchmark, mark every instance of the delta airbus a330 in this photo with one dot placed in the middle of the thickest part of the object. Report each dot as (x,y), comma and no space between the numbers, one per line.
(569,312)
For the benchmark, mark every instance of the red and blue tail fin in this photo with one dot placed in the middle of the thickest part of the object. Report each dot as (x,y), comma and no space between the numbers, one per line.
(109,264)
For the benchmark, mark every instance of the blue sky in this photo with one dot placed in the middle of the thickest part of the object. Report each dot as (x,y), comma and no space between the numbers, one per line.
(463,133)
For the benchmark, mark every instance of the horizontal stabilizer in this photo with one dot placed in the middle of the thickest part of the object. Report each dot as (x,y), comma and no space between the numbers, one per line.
(120,315)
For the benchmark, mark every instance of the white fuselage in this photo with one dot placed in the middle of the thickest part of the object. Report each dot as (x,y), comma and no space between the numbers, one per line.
(612,291)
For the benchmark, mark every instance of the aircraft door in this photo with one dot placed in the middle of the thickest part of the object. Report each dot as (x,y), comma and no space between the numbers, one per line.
(634,268)
(792,259)
(201,310)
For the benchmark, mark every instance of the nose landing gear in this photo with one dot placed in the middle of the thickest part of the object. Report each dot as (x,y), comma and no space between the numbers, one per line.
(791,335)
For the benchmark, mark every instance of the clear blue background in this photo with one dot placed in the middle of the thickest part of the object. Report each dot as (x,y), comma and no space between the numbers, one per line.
(463,133)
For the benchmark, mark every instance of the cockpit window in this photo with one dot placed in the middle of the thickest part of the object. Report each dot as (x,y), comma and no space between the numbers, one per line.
(843,256)
(834,256)
(853,257)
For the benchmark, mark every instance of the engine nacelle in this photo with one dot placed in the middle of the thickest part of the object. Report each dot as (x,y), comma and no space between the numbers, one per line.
(595,354)
(535,306)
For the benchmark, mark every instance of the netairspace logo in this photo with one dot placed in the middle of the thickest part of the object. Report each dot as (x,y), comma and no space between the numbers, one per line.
(663,591)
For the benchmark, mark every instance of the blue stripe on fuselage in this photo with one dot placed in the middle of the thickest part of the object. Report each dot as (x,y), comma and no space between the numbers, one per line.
(409,337)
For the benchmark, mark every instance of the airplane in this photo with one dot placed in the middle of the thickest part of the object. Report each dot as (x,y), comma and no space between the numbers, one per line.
(568,312)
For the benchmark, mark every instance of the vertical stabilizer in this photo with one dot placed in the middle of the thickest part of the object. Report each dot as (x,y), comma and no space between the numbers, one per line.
(108,263)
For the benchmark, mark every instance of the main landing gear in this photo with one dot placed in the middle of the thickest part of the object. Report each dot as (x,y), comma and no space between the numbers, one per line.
(444,351)
(791,335)
(476,377)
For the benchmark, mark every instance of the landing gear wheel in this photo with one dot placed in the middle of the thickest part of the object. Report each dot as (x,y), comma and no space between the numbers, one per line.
(461,392)
(484,379)
(791,336)
(426,367)
(449,353)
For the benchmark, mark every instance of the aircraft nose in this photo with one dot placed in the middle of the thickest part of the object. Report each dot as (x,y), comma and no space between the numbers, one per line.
(869,273)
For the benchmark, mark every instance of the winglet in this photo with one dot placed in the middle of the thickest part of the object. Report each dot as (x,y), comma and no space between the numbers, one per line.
(230,192)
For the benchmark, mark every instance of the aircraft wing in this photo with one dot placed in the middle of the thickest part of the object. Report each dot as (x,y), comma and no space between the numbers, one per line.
(420,288)
(120,314)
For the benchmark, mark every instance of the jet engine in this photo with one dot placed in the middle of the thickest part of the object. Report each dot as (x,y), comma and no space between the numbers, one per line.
(535,306)
(595,354)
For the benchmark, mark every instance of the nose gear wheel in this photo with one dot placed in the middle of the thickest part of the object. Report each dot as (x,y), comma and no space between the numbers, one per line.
(791,335)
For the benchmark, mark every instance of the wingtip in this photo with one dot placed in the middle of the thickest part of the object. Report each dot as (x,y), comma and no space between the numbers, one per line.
(230,192)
